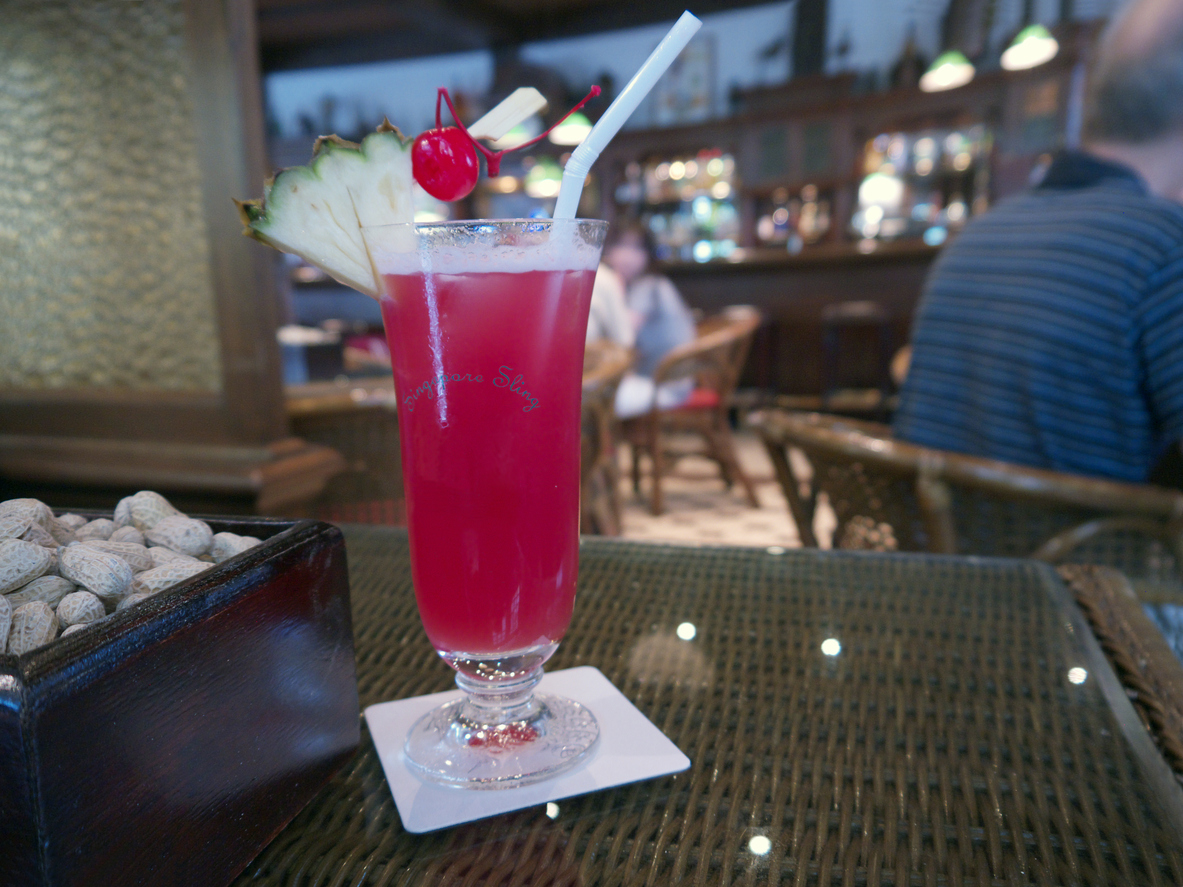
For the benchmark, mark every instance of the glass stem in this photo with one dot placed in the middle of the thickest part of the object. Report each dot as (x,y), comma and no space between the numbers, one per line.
(500,702)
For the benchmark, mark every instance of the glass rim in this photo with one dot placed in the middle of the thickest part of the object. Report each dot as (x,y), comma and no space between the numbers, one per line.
(483,223)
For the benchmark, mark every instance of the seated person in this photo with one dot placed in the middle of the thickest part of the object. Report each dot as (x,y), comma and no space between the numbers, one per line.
(1050,332)
(609,318)
(660,318)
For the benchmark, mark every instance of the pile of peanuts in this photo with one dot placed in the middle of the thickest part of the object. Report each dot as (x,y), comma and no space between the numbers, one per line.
(60,574)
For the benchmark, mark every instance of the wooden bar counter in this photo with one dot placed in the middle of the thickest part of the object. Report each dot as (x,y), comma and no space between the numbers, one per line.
(793,291)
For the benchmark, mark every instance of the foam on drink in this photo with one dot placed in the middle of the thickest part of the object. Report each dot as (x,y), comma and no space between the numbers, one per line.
(529,246)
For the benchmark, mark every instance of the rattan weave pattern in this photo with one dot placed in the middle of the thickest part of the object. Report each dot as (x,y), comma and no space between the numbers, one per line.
(876,510)
(943,745)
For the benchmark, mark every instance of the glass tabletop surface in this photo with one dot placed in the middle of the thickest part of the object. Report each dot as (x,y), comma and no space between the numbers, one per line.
(851,719)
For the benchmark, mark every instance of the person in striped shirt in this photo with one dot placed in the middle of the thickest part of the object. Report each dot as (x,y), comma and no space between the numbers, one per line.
(1050,332)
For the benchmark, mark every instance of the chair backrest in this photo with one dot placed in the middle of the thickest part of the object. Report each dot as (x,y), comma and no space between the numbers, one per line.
(867,326)
(604,363)
(716,357)
(888,494)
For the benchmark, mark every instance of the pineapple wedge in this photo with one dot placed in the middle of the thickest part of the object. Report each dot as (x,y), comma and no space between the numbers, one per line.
(317,211)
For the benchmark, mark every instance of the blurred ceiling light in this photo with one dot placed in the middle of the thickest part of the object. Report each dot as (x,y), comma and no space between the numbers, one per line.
(544,178)
(571,131)
(504,184)
(951,70)
(523,132)
(1032,46)
(882,190)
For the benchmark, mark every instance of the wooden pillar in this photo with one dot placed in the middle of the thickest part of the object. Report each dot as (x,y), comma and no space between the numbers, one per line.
(810,37)
(137,325)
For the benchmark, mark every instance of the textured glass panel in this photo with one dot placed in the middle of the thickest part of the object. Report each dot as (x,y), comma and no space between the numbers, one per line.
(104,262)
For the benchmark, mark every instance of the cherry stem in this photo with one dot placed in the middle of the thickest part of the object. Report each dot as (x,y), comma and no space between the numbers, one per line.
(493,158)
(595,91)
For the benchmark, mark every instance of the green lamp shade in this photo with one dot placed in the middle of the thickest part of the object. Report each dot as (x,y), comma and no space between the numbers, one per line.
(950,70)
(571,131)
(1032,46)
(543,180)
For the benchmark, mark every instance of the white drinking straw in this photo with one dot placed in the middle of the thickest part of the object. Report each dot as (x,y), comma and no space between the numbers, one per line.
(619,111)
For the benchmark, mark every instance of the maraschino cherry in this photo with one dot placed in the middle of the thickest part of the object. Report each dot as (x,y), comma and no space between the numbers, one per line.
(444,162)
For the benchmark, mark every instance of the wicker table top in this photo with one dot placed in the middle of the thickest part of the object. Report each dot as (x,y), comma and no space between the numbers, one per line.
(944,744)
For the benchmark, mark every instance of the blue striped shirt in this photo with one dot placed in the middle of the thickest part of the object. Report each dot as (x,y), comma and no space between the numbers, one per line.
(1050,332)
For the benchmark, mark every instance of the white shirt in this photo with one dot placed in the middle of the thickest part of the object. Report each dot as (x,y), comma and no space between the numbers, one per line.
(609,317)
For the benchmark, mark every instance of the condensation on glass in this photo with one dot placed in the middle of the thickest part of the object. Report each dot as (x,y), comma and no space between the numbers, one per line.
(104,261)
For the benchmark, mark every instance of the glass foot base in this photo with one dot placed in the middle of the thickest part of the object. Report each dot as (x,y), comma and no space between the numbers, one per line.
(455,745)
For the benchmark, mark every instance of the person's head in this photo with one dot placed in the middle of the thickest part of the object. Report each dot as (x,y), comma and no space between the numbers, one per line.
(1135,102)
(627,249)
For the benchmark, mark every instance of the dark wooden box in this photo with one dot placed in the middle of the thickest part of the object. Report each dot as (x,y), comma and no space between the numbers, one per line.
(170,744)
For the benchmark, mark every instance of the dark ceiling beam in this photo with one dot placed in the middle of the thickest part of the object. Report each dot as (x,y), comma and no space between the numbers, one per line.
(315,33)
(314,21)
(550,21)
(380,47)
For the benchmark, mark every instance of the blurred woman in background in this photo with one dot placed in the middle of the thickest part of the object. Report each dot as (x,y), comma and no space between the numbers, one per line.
(660,317)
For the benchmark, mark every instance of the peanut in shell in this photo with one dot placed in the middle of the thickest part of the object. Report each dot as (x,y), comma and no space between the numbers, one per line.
(182,534)
(5,622)
(100,572)
(21,562)
(137,556)
(128,534)
(33,625)
(99,528)
(79,607)
(47,589)
(143,510)
(160,578)
(38,535)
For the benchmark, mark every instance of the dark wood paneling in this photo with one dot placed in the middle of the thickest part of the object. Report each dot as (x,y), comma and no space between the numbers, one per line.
(228,107)
(223,77)
(91,446)
(280,478)
(786,355)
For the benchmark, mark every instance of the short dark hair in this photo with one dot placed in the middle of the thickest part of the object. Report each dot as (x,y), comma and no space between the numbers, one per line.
(1137,102)
(1137,99)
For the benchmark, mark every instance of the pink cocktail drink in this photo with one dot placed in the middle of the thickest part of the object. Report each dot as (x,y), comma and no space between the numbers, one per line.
(487,365)
(486,324)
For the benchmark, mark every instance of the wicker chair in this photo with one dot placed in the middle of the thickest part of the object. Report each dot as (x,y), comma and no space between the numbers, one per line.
(891,495)
(714,360)
(604,365)
(359,420)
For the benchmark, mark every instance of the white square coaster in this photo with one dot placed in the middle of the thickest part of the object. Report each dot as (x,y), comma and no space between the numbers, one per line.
(630,749)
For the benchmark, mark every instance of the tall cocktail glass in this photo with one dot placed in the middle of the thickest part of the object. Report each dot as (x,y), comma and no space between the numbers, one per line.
(486,323)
